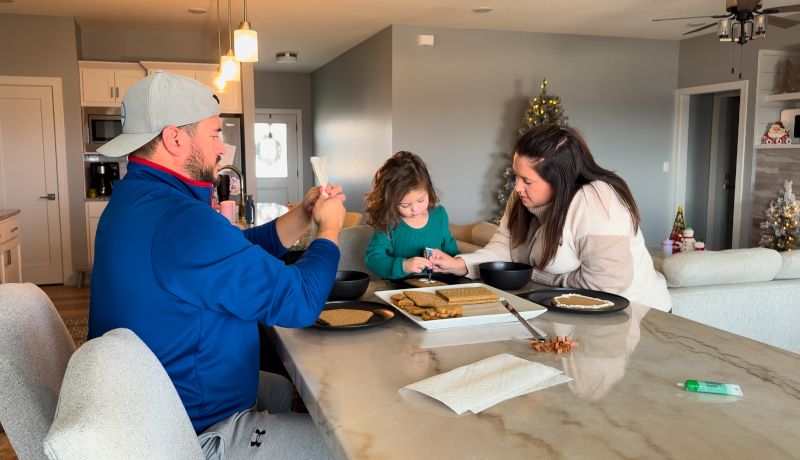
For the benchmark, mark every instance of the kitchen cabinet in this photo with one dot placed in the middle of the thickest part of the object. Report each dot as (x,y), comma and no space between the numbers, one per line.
(230,99)
(93,211)
(104,83)
(10,250)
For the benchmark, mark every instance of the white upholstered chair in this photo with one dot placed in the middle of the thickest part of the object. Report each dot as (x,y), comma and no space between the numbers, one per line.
(35,347)
(117,401)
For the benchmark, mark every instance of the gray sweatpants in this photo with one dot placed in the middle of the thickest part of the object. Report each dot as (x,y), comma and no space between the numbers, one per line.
(267,430)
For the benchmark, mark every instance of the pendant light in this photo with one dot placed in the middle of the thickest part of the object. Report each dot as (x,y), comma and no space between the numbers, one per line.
(228,65)
(246,40)
(219,80)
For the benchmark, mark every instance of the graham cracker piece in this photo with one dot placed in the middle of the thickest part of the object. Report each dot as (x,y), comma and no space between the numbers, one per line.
(422,282)
(425,299)
(580,302)
(468,295)
(345,317)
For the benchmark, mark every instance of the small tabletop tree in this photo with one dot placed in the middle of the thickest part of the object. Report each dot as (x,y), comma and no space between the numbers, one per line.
(781,229)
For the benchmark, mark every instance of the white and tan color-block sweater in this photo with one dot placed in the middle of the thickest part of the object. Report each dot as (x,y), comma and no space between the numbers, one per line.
(599,250)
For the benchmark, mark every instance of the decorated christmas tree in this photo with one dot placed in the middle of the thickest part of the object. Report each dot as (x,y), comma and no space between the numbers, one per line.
(544,108)
(781,229)
(678,226)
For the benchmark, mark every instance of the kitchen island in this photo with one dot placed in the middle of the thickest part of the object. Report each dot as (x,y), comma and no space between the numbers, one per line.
(622,403)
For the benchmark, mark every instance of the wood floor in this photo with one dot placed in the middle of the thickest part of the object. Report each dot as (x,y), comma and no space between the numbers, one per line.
(70,303)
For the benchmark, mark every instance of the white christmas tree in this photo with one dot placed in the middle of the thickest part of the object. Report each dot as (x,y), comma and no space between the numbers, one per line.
(781,229)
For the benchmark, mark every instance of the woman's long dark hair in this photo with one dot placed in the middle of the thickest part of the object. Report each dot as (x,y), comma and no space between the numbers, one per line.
(401,174)
(561,157)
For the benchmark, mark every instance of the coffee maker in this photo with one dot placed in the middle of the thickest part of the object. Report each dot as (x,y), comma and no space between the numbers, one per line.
(103,176)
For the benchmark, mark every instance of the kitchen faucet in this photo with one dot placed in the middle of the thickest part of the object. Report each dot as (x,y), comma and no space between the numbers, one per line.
(243,191)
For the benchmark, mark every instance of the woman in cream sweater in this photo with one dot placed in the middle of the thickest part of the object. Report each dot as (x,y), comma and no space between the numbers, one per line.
(576,223)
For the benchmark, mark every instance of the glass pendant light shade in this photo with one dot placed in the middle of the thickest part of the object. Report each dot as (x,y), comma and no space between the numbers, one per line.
(760,27)
(245,42)
(229,67)
(219,81)
(724,30)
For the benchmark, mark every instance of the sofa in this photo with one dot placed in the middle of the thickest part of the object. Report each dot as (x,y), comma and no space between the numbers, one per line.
(752,292)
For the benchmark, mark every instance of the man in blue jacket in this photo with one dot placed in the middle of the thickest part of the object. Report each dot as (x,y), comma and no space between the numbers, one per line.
(194,287)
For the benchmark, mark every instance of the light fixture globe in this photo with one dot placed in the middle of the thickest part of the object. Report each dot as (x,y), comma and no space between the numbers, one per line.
(229,67)
(245,43)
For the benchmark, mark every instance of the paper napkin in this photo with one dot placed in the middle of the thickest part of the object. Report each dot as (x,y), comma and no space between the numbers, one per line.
(483,384)
(320,167)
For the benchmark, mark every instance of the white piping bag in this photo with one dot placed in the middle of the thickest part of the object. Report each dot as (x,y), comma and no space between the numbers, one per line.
(320,167)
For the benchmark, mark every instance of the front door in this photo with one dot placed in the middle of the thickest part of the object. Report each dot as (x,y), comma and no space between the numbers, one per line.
(277,166)
(29,178)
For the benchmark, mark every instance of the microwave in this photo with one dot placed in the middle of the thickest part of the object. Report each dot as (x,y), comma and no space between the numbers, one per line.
(101,129)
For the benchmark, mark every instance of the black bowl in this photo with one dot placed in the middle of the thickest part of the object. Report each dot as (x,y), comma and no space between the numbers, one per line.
(505,275)
(349,285)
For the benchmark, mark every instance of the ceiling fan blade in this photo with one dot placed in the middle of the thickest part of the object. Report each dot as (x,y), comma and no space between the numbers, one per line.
(747,5)
(782,9)
(718,16)
(701,28)
(783,23)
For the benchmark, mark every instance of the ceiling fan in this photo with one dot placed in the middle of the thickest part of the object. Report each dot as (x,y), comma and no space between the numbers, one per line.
(744,20)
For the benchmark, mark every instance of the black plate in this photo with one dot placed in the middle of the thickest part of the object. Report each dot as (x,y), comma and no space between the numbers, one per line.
(446,278)
(382,314)
(545,296)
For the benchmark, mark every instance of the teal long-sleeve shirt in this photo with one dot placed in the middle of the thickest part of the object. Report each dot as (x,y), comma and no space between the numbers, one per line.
(386,252)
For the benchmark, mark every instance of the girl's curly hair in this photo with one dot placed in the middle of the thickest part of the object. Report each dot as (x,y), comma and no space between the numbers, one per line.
(401,174)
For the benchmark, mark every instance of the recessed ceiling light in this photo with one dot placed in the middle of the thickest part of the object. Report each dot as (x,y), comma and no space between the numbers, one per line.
(286,57)
(194,10)
(482,9)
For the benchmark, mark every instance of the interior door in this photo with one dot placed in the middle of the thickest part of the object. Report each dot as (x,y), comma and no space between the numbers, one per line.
(722,172)
(28,178)
(276,160)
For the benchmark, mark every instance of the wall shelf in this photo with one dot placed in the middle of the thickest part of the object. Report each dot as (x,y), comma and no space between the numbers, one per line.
(777,146)
(782,97)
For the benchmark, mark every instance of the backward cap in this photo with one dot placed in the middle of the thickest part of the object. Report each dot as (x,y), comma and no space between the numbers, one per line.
(155,102)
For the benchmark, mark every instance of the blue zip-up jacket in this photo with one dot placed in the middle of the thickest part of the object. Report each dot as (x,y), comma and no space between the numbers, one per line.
(193,287)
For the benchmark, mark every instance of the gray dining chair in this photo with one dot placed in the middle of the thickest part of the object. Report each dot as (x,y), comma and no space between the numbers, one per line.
(35,348)
(117,401)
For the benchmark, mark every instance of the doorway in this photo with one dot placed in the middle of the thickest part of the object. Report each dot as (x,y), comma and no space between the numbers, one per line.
(709,170)
(276,162)
(33,174)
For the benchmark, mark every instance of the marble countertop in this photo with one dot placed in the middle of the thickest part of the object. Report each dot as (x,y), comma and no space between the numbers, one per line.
(6,213)
(623,402)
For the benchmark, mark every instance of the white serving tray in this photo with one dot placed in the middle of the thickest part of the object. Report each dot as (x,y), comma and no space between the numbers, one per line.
(473,314)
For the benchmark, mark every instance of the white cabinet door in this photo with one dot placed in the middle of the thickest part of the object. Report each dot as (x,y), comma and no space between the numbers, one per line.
(124,79)
(230,100)
(97,87)
(105,87)
(93,211)
(11,262)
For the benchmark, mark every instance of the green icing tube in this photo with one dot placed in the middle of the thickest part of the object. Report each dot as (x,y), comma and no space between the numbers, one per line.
(701,386)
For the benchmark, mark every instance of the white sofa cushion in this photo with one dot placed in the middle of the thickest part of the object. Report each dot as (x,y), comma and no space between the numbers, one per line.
(790,268)
(731,266)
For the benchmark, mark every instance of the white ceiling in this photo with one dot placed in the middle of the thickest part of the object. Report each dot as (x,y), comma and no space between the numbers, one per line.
(320,30)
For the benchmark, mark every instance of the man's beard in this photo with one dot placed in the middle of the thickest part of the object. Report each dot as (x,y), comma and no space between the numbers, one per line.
(196,169)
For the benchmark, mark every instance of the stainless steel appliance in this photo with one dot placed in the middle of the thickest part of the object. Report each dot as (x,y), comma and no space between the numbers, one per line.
(100,125)
(103,176)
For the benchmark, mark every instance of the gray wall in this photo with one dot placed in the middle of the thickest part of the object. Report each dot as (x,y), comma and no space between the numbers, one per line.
(142,45)
(705,61)
(275,90)
(352,114)
(460,104)
(45,46)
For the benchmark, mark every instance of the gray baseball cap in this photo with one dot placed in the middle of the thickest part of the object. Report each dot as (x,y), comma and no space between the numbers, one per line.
(155,102)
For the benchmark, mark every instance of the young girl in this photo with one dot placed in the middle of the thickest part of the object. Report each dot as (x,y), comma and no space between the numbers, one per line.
(401,208)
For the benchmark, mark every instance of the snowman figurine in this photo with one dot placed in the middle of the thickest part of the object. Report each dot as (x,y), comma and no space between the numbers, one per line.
(688,241)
